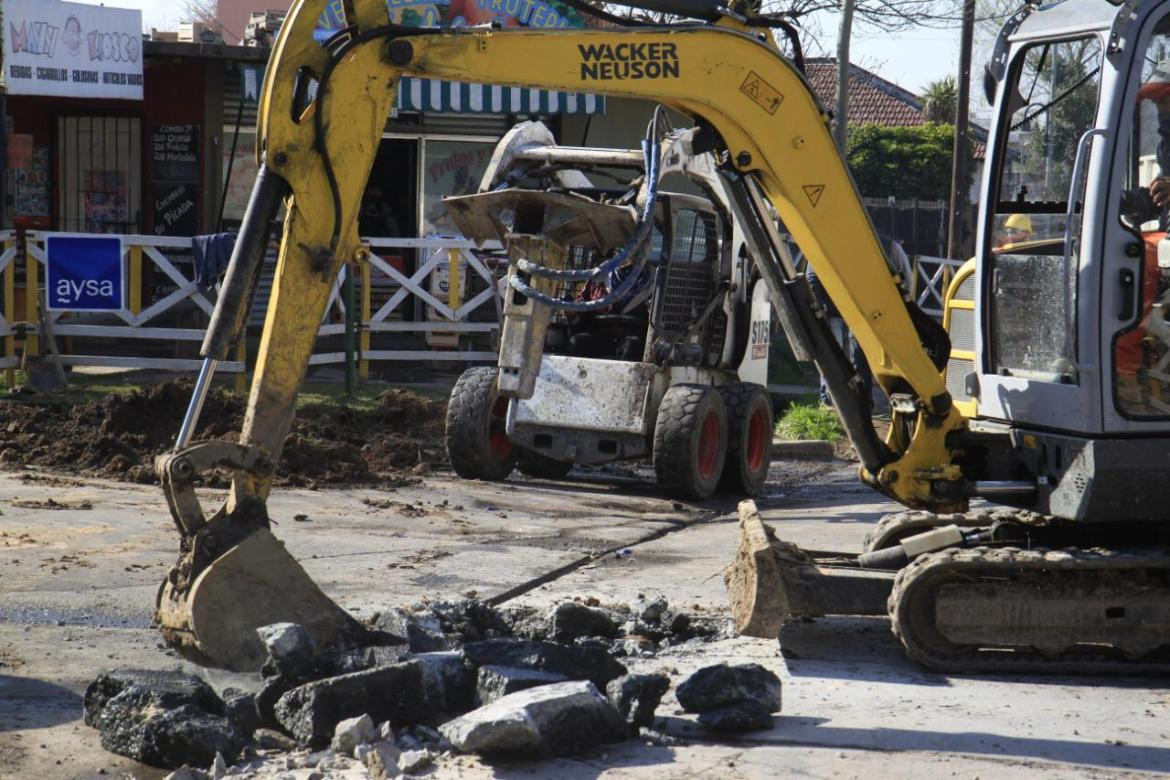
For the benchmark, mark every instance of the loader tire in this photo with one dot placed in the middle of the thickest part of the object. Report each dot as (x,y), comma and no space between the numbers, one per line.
(541,466)
(749,438)
(690,441)
(477,443)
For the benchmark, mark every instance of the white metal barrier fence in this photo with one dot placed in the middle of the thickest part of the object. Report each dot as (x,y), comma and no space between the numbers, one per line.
(388,294)
(439,283)
(8,269)
(929,282)
(136,321)
(442,283)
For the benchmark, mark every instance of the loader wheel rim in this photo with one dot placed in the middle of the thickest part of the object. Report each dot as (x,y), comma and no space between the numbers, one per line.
(757,441)
(499,445)
(710,445)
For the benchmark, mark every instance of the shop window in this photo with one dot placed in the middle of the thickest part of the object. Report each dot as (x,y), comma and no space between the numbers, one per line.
(450,168)
(99,174)
(241,171)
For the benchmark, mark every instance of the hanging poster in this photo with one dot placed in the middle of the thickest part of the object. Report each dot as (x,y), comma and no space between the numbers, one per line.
(71,50)
(31,198)
(174,179)
(106,196)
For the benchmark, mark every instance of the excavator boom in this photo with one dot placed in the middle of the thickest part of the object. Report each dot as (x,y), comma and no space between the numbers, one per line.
(321,119)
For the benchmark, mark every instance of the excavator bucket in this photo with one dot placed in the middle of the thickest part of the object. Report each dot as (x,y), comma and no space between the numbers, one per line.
(233,576)
(255,583)
(771,580)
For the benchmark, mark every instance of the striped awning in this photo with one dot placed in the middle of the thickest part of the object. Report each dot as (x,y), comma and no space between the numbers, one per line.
(435,95)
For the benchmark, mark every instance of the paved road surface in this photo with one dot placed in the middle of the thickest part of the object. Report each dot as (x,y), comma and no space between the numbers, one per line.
(78,579)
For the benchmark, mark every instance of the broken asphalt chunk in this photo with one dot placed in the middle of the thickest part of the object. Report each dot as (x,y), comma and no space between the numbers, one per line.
(422,630)
(636,696)
(649,610)
(448,676)
(732,698)
(352,732)
(402,693)
(164,719)
(290,652)
(581,662)
(496,682)
(569,621)
(746,715)
(552,720)
(240,706)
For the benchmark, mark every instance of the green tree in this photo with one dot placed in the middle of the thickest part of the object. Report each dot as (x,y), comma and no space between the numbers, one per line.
(906,162)
(940,99)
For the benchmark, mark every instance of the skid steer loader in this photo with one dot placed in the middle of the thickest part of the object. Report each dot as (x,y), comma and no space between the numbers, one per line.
(676,367)
(1052,402)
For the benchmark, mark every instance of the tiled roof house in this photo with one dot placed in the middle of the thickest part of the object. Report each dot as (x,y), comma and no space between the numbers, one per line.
(872,99)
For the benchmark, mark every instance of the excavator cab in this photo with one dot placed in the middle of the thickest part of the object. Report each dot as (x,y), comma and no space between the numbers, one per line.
(1059,368)
(1070,332)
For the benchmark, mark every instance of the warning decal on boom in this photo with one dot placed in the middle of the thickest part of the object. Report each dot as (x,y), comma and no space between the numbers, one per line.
(761,92)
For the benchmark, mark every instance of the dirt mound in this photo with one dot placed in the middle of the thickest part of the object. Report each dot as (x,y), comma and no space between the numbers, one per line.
(120,436)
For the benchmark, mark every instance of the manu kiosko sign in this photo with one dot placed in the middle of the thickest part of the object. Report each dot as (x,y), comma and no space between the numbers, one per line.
(71,50)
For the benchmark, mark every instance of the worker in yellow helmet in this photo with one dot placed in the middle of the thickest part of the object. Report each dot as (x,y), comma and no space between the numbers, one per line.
(1016,229)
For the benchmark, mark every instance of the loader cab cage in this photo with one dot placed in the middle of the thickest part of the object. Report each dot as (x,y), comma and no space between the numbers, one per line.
(677,305)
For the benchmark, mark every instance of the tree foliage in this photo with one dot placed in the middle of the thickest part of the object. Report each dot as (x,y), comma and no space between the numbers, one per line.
(906,162)
(940,99)
(884,15)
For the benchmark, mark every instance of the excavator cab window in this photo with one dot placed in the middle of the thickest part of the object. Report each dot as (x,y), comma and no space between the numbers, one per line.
(1054,88)
(1142,347)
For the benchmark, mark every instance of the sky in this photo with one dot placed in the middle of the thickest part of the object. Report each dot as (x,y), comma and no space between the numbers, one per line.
(911,59)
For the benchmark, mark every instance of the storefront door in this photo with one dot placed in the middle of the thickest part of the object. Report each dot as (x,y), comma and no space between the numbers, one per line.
(99,174)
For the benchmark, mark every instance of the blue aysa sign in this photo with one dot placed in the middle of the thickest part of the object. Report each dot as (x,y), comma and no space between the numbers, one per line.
(84,273)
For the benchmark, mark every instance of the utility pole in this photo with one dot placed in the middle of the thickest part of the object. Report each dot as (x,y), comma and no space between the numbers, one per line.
(959,158)
(4,193)
(841,118)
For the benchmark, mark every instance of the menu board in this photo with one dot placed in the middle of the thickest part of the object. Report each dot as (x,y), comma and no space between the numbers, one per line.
(174,179)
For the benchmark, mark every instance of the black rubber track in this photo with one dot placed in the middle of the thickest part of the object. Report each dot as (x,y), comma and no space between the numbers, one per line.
(469,427)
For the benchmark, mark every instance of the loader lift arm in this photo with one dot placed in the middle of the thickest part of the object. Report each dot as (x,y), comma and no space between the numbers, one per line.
(750,103)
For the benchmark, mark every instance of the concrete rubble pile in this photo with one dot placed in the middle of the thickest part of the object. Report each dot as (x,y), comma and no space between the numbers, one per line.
(442,679)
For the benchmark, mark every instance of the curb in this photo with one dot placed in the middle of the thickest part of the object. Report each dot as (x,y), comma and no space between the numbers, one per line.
(802,450)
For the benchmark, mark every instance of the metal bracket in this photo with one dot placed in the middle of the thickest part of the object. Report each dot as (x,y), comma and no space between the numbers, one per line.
(178,472)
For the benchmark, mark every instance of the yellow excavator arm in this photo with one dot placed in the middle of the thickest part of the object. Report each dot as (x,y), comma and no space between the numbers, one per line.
(322,115)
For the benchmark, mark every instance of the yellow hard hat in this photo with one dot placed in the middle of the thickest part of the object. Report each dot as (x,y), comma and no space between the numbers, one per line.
(1019,222)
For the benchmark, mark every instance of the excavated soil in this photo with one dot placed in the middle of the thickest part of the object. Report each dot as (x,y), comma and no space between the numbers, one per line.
(120,436)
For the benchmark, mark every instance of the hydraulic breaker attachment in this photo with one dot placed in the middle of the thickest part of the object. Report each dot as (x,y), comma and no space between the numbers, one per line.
(771,580)
(233,575)
(536,228)
(526,319)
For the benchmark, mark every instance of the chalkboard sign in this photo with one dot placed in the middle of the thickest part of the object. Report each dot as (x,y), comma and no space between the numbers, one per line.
(174,178)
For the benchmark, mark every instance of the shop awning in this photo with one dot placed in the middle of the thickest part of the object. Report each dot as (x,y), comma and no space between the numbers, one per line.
(456,97)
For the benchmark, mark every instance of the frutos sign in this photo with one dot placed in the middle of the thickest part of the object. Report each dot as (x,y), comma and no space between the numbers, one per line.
(71,50)
(465,13)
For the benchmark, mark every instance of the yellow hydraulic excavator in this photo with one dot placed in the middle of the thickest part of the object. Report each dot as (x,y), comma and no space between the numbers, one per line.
(1059,363)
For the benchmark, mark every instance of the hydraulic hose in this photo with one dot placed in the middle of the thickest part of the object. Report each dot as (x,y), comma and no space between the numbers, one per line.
(651,150)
